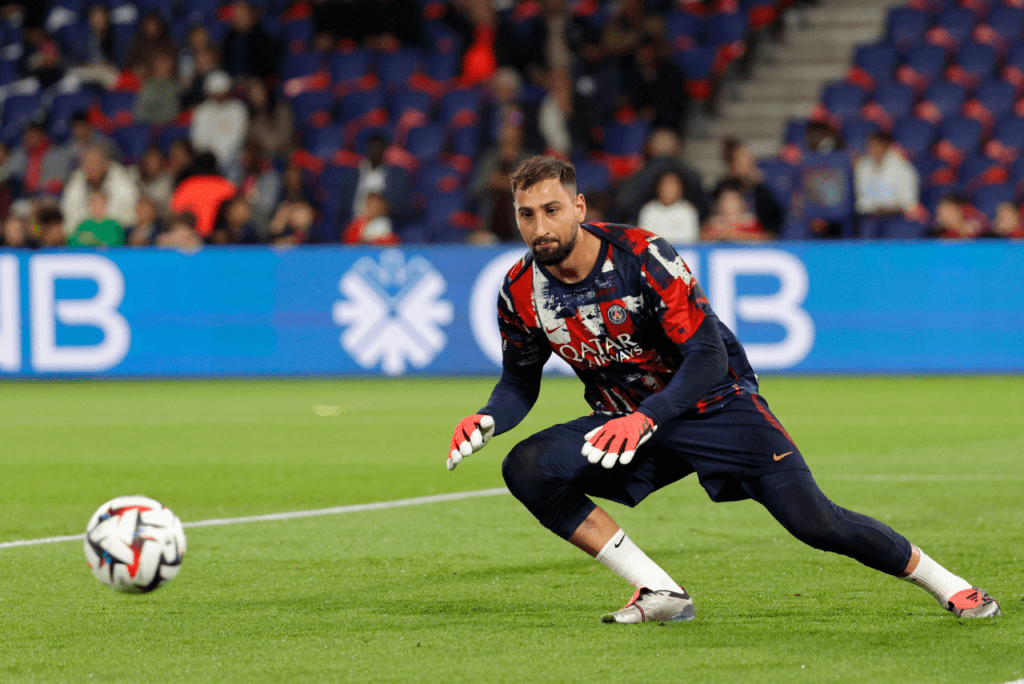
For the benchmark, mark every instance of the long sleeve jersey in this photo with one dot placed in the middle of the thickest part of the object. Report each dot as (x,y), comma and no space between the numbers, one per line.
(638,331)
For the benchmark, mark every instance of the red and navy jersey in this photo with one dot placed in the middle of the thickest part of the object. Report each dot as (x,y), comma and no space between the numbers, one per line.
(624,329)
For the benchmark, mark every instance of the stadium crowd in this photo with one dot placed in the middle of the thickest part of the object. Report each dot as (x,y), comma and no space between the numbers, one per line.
(193,122)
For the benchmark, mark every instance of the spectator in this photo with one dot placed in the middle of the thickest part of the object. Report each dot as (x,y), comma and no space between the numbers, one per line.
(219,123)
(51,227)
(555,114)
(154,181)
(732,220)
(248,48)
(101,44)
(377,176)
(663,152)
(41,57)
(147,223)
(373,227)
(292,223)
(956,219)
(153,39)
(16,232)
(260,184)
(627,29)
(38,166)
(157,102)
(656,86)
(234,223)
(885,184)
(822,138)
(83,136)
(181,233)
(198,39)
(180,158)
(99,229)
(270,120)
(201,193)
(98,172)
(741,166)
(490,185)
(669,215)
(1008,222)
(205,64)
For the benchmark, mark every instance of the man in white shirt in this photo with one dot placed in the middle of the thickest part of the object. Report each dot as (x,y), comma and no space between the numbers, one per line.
(219,124)
(886,184)
(99,172)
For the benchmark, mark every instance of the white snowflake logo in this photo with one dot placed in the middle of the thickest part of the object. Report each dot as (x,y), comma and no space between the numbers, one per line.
(393,312)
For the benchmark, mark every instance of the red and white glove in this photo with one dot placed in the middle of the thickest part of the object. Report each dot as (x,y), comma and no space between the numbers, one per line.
(471,434)
(618,439)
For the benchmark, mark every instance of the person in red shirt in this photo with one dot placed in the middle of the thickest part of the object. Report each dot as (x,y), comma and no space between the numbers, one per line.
(373,226)
(732,221)
(203,193)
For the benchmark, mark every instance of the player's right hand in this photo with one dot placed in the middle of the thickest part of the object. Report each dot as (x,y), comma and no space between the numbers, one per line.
(471,434)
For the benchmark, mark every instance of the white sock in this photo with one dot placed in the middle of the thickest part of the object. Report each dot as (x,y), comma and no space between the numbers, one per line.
(936,580)
(626,560)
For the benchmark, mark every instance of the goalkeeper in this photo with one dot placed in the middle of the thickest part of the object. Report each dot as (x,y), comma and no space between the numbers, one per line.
(672,393)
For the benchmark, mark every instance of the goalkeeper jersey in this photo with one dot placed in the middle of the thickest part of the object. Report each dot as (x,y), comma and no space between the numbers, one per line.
(638,331)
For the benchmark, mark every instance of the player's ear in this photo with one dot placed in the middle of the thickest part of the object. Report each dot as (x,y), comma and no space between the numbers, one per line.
(581,207)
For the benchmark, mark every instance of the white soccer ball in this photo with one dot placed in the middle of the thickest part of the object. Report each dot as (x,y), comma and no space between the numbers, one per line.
(134,544)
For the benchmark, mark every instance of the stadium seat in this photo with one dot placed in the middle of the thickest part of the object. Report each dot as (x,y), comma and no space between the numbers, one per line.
(978,170)
(426,142)
(1009,132)
(9,71)
(697,64)
(323,142)
(63,107)
(683,30)
(856,132)
(914,135)
(348,67)
(962,133)
(362,136)
(925,63)
(781,179)
(402,100)
(974,61)
(903,229)
(74,40)
(443,66)
(895,99)
(361,102)
(395,68)
(877,60)
(988,197)
(117,103)
(438,177)
(952,27)
(625,139)
(592,177)
(298,31)
(724,28)
(933,171)
(1017,175)
(843,99)
(995,97)
(905,27)
(441,205)
(301,64)
(466,141)
(457,101)
(941,100)
(826,188)
(1006,22)
(132,141)
(796,133)
(17,111)
(313,108)
(170,134)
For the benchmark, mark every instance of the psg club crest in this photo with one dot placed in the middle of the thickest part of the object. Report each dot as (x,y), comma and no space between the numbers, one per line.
(616,314)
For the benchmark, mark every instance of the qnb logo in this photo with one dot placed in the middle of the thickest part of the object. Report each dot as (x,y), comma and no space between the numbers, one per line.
(393,313)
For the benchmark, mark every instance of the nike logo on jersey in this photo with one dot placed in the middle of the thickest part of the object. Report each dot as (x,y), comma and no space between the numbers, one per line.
(779,457)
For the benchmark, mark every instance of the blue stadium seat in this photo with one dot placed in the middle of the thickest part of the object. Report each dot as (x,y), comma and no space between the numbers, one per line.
(964,134)
(974,172)
(362,102)
(626,139)
(466,141)
(349,66)
(897,99)
(697,64)
(977,60)
(364,133)
(905,27)
(903,229)
(298,30)
(683,30)
(441,205)
(456,101)
(1008,22)
(1015,56)
(927,61)
(395,68)
(17,111)
(1009,131)
(9,71)
(989,197)
(293,65)
(843,99)
(170,134)
(957,22)
(948,97)
(402,100)
(726,27)
(312,108)
(856,132)
(996,96)
(781,179)
(796,133)
(325,141)
(443,66)
(117,102)
(132,141)
(426,142)
(878,60)
(74,40)
(438,177)
(826,188)
(63,107)
(926,165)
(591,177)
(914,135)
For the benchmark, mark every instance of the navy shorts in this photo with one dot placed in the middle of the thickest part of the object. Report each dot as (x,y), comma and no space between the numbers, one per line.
(736,440)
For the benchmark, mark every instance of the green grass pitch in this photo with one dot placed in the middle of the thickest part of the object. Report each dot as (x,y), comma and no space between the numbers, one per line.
(475,590)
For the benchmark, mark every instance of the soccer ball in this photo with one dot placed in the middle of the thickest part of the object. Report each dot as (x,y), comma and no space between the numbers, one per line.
(134,544)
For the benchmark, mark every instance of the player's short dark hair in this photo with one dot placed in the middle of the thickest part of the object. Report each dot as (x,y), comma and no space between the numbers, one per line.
(541,168)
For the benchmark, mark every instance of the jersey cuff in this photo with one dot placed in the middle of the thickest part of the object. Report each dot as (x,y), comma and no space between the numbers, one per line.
(650,414)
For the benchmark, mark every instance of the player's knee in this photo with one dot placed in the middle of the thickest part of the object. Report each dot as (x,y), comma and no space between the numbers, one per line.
(522,469)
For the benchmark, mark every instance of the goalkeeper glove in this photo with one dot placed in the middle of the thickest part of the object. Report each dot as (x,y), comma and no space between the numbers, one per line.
(618,439)
(471,434)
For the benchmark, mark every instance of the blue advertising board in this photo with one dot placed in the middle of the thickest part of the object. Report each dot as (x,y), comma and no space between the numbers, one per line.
(798,307)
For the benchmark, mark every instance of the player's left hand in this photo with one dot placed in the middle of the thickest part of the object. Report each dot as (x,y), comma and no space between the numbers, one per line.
(617,440)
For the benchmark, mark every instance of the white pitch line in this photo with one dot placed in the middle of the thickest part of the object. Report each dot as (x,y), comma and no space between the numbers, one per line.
(458,496)
(335,510)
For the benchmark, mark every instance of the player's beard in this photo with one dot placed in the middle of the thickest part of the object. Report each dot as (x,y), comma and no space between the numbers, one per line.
(557,255)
